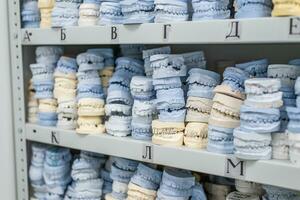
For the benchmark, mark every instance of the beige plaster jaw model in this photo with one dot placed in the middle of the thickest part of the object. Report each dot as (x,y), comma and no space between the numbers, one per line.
(195,135)
(90,125)
(137,192)
(225,89)
(91,107)
(286,8)
(167,133)
(225,111)
(47,105)
(198,109)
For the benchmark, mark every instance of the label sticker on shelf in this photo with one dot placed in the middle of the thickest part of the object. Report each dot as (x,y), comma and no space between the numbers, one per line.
(294,26)
(235,168)
(55,139)
(234,31)
(27,36)
(147,153)
(166,30)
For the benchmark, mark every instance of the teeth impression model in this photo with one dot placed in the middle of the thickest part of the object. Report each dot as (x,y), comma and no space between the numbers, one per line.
(195,135)
(225,111)
(252,146)
(198,109)
(168,133)
(255,68)
(263,93)
(263,120)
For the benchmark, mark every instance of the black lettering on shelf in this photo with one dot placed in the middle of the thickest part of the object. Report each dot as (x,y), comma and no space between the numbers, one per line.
(27,36)
(114,33)
(294,26)
(234,31)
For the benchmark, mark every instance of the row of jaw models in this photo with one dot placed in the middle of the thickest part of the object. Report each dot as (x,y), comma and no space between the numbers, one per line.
(60,174)
(170,99)
(64,13)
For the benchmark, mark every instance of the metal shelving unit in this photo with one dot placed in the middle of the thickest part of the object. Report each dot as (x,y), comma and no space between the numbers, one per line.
(266,33)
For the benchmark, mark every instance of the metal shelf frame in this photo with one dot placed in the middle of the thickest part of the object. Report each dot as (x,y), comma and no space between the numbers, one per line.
(247,31)
(18,99)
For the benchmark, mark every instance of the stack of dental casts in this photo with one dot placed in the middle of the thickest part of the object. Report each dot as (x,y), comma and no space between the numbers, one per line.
(225,112)
(90,96)
(260,116)
(151,52)
(170,101)
(201,84)
(105,12)
(105,175)
(65,13)
(121,172)
(43,83)
(285,8)
(143,109)
(87,183)
(32,105)
(49,171)
(293,128)
(211,9)
(253,8)
(137,11)
(89,12)
(57,169)
(287,74)
(65,92)
(36,169)
(30,14)
(108,69)
(144,183)
(176,183)
(171,11)
(46,7)
(119,101)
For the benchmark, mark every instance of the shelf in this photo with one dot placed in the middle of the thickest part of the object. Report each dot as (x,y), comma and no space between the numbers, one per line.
(273,172)
(260,30)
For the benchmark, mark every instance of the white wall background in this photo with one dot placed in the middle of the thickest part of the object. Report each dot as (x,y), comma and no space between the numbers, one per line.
(7,161)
